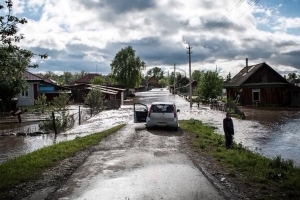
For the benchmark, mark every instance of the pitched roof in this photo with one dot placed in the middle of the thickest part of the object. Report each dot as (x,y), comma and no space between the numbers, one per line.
(243,75)
(183,79)
(152,77)
(87,78)
(48,80)
(31,77)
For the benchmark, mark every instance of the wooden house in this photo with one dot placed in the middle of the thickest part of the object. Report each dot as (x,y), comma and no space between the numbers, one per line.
(183,86)
(38,86)
(153,80)
(260,84)
(86,79)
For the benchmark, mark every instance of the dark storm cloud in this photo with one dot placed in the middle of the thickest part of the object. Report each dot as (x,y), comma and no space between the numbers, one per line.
(220,26)
(289,58)
(119,6)
(73,66)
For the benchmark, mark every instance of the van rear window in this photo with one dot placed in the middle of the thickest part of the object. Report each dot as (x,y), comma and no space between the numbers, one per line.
(162,108)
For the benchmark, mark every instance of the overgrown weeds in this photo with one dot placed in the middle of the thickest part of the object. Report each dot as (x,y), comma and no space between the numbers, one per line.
(30,166)
(279,174)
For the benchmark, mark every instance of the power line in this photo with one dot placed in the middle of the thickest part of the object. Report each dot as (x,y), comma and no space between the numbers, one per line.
(215,27)
(231,23)
(226,17)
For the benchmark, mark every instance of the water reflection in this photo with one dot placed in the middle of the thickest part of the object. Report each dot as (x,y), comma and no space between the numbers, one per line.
(267,131)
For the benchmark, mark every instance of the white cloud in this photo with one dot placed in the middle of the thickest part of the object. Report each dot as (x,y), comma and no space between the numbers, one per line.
(82,33)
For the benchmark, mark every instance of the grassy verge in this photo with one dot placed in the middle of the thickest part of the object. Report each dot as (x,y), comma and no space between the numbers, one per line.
(28,167)
(280,175)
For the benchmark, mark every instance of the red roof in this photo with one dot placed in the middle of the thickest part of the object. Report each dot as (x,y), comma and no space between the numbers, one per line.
(31,77)
(87,78)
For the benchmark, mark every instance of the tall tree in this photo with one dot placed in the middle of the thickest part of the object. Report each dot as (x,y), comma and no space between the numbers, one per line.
(126,67)
(210,85)
(197,75)
(157,72)
(171,77)
(228,77)
(292,76)
(14,60)
(98,80)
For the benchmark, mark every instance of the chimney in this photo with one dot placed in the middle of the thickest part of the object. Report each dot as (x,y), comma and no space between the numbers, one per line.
(247,65)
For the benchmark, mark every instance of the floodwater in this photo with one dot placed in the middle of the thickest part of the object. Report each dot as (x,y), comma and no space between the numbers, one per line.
(268,132)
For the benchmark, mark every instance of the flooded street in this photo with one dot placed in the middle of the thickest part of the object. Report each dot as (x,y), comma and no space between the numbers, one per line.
(268,132)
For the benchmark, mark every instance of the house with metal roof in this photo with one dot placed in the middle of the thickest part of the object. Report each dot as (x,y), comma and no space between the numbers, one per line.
(260,84)
(38,86)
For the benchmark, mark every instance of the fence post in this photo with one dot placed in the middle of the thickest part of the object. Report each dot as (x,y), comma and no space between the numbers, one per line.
(79,116)
(19,118)
(54,125)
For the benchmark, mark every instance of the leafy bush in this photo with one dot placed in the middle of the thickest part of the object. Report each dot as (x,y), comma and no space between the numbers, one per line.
(94,99)
(41,104)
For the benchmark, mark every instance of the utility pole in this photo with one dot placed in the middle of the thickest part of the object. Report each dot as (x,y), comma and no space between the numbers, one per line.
(174,78)
(190,74)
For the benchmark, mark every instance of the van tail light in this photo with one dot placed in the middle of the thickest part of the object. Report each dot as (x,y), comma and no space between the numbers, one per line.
(174,108)
(149,112)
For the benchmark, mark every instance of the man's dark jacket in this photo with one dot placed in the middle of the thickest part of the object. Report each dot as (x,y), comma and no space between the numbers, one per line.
(228,126)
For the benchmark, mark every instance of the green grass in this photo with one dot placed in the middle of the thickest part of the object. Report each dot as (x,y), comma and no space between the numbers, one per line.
(279,174)
(28,167)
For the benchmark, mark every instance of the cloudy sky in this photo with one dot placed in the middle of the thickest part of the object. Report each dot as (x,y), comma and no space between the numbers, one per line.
(86,34)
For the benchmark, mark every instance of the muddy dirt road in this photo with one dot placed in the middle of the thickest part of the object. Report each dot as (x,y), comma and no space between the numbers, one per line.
(137,164)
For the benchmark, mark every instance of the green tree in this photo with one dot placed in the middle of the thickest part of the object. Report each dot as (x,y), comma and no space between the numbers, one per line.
(41,103)
(98,80)
(210,85)
(61,102)
(197,75)
(292,76)
(127,68)
(63,119)
(95,99)
(171,77)
(69,78)
(228,77)
(157,72)
(163,82)
(14,60)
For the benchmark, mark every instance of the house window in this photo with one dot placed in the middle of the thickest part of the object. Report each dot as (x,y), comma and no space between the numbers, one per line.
(25,93)
(255,95)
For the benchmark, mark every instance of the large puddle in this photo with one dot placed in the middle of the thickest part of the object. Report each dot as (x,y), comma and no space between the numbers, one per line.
(269,132)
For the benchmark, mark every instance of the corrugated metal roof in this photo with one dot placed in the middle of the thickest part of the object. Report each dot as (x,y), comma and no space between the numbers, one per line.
(87,78)
(243,75)
(31,77)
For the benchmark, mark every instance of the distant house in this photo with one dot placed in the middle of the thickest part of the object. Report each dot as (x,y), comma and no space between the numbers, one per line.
(182,82)
(183,86)
(153,80)
(114,95)
(86,79)
(38,86)
(295,81)
(194,86)
(260,84)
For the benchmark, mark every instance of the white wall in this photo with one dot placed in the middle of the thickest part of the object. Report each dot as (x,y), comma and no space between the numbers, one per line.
(27,101)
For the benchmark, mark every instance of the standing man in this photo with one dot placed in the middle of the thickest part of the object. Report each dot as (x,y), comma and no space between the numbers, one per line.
(228,130)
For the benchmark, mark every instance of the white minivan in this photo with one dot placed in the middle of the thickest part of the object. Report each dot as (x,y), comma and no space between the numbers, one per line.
(160,114)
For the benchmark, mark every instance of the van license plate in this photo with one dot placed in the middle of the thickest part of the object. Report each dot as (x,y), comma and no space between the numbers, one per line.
(161,124)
